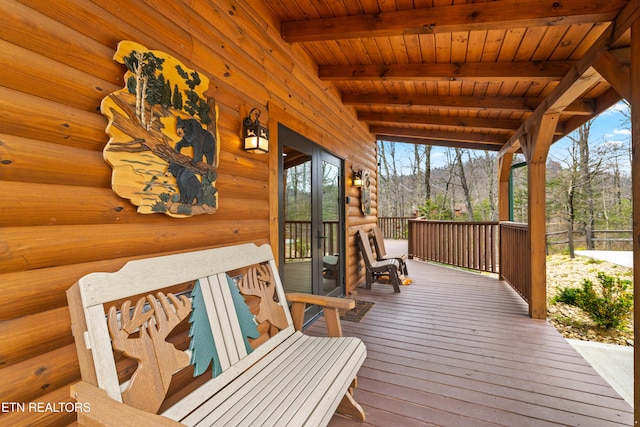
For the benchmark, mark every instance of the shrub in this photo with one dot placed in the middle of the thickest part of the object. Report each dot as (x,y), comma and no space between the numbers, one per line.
(609,307)
(567,296)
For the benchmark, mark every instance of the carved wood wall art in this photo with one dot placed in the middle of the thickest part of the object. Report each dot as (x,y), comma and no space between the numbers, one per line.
(163,144)
(365,193)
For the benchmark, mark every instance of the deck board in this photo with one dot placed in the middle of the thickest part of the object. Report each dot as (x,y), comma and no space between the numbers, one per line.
(459,349)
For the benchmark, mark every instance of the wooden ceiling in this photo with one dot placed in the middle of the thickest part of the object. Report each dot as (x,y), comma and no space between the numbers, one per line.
(465,73)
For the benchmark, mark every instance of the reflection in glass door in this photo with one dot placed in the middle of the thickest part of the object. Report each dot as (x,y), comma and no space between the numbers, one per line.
(297,272)
(330,224)
(312,217)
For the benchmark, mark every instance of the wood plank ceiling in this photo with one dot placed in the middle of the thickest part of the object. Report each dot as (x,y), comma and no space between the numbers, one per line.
(458,73)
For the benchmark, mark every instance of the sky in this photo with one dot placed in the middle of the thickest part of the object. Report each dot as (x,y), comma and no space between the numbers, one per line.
(609,127)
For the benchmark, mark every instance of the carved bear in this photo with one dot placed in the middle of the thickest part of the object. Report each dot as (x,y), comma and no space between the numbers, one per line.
(193,135)
(188,185)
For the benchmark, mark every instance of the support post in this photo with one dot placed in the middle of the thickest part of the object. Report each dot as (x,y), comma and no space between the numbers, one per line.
(504,171)
(537,241)
(536,150)
(503,186)
(635,196)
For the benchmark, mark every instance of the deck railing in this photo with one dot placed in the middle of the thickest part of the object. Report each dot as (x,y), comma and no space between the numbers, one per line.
(299,240)
(514,247)
(394,227)
(472,245)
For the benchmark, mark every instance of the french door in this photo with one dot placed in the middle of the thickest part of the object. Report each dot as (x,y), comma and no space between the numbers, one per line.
(312,217)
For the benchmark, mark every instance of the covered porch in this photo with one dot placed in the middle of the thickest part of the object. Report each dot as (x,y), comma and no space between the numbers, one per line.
(508,76)
(459,349)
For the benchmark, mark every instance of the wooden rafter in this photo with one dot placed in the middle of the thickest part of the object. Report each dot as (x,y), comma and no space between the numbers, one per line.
(504,14)
(436,134)
(469,71)
(439,142)
(580,78)
(497,103)
(435,120)
(602,103)
(615,67)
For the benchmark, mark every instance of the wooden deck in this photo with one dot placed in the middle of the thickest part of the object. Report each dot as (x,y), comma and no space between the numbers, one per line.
(458,349)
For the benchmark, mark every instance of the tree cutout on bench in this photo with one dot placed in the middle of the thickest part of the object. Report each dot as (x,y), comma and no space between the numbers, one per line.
(203,348)
(260,282)
(141,335)
(246,319)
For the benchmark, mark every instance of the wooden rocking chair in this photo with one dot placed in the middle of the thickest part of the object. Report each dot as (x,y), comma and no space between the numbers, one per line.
(381,252)
(375,269)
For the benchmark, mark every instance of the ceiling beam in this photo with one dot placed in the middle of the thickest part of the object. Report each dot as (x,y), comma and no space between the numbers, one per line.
(438,142)
(577,80)
(435,120)
(484,103)
(601,104)
(615,67)
(438,135)
(574,84)
(495,15)
(542,71)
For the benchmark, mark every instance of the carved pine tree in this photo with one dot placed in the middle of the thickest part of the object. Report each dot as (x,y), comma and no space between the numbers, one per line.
(245,318)
(202,346)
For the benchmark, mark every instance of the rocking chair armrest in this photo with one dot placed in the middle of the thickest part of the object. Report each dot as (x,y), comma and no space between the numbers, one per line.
(330,305)
(101,410)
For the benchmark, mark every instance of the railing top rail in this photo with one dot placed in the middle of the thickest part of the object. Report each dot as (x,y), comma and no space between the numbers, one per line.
(511,224)
(454,222)
(291,221)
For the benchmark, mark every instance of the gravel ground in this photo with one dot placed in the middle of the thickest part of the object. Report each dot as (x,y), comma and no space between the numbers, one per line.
(572,322)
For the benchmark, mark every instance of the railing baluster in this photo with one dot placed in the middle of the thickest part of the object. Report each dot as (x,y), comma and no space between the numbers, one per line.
(471,245)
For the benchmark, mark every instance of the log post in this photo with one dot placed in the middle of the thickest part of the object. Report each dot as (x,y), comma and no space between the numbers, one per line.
(536,149)
(504,171)
(635,196)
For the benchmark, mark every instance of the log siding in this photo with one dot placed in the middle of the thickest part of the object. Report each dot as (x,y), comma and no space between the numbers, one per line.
(60,219)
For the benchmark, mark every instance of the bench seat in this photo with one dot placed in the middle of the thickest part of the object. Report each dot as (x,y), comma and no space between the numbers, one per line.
(301,383)
(136,359)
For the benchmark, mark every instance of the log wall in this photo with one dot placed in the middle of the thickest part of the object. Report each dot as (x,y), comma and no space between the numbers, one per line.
(60,219)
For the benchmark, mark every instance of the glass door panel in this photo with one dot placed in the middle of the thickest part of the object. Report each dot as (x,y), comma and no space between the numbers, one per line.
(312,218)
(297,221)
(331,229)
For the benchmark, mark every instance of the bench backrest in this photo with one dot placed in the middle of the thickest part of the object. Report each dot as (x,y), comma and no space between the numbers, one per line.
(378,239)
(365,247)
(218,310)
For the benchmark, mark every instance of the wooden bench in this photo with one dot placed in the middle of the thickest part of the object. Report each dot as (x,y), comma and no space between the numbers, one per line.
(207,338)
(375,270)
(381,251)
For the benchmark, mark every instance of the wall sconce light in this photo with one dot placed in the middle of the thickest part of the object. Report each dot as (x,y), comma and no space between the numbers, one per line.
(357,178)
(256,136)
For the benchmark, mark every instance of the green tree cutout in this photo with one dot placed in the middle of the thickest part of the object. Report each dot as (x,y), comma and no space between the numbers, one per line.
(202,346)
(245,318)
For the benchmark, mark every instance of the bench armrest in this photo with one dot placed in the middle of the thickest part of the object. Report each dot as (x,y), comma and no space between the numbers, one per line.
(330,305)
(101,410)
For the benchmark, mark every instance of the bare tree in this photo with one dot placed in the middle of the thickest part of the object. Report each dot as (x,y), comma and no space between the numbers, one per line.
(463,183)
(490,171)
(427,171)
(582,142)
(389,176)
